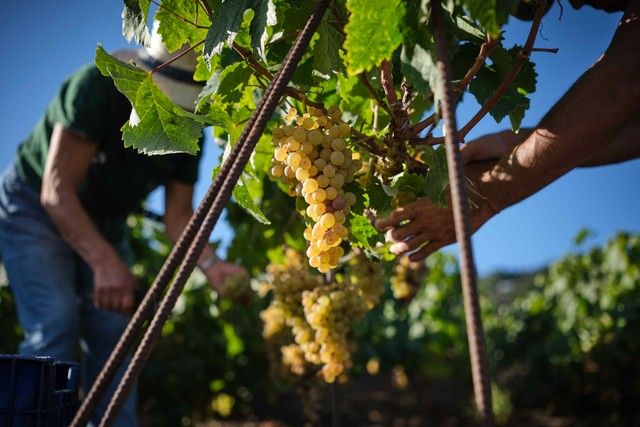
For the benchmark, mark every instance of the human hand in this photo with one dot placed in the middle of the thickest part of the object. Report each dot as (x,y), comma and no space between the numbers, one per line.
(114,285)
(228,279)
(422,227)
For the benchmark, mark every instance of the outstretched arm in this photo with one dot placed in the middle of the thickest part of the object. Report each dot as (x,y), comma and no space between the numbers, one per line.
(593,123)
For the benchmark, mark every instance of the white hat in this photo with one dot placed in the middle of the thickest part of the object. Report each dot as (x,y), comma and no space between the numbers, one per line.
(176,79)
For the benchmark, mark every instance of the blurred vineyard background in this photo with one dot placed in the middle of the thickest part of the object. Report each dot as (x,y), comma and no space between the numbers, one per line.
(564,347)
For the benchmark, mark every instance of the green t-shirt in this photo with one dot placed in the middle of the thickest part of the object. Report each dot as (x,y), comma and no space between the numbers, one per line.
(119,178)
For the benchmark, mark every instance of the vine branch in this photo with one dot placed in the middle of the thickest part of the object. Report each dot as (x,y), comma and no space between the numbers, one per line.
(175,57)
(365,81)
(260,70)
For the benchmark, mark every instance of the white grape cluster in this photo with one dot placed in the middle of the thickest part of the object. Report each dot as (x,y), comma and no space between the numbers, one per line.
(287,282)
(311,157)
(406,279)
(331,311)
(368,276)
(318,316)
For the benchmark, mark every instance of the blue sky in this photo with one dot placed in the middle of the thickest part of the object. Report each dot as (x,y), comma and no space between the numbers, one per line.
(44,42)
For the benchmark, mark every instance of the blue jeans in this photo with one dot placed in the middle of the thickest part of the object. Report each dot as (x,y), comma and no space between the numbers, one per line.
(52,288)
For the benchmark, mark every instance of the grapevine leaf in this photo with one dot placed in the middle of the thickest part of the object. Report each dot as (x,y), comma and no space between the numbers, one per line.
(437,177)
(362,231)
(419,67)
(353,96)
(406,182)
(243,197)
(134,21)
(379,201)
(172,28)
(326,51)
(156,125)
(373,32)
(466,29)
(486,13)
(264,15)
(225,24)
(514,102)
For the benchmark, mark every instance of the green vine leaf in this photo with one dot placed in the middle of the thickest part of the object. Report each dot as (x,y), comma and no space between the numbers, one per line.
(514,102)
(374,31)
(326,51)
(134,21)
(156,125)
(264,16)
(243,197)
(362,232)
(225,25)
(173,30)
(437,178)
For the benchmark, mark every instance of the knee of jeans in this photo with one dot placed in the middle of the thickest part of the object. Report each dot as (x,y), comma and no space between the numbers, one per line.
(55,335)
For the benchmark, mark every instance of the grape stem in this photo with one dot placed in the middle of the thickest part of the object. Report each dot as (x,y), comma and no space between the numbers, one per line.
(175,58)
(260,70)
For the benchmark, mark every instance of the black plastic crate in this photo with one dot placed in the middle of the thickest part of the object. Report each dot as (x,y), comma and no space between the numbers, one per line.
(37,391)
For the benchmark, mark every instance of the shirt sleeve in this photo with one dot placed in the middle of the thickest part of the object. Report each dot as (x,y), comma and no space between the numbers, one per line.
(83,104)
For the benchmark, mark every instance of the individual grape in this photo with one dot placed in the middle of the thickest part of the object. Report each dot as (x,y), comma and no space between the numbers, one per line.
(345,129)
(302,174)
(334,132)
(280,154)
(277,171)
(338,144)
(310,185)
(308,122)
(339,203)
(292,144)
(337,158)
(323,181)
(336,181)
(289,172)
(320,163)
(305,163)
(327,220)
(329,170)
(299,134)
(315,137)
(293,159)
(332,193)
(325,154)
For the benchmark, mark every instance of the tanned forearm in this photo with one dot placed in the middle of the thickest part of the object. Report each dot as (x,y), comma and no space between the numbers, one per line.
(595,110)
(75,226)
(63,172)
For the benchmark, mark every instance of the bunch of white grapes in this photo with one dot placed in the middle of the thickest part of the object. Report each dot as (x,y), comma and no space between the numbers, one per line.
(407,278)
(331,311)
(287,282)
(368,276)
(312,157)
